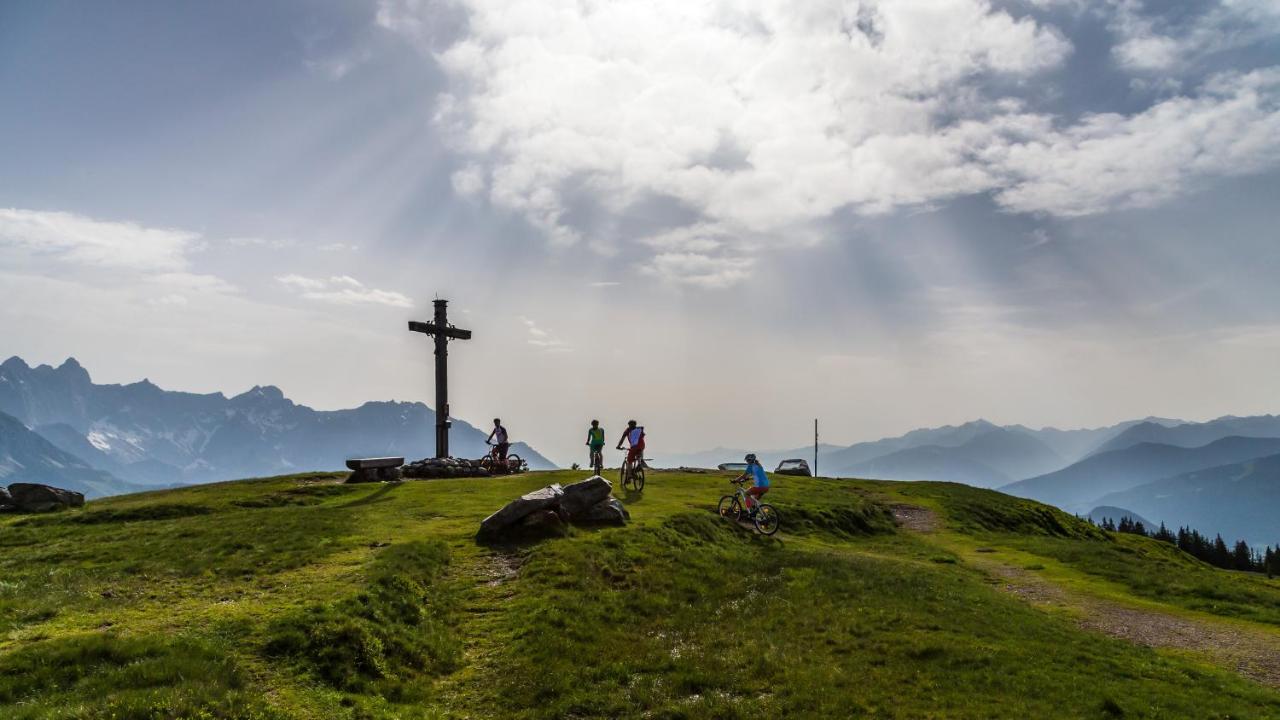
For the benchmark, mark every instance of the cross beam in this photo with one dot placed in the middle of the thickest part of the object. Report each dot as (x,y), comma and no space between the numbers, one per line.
(443,332)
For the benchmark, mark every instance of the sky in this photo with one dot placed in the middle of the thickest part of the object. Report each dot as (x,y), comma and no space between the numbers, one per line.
(723,219)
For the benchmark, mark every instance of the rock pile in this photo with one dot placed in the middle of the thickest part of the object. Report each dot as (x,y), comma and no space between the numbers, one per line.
(430,468)
(548,510)
(32,497)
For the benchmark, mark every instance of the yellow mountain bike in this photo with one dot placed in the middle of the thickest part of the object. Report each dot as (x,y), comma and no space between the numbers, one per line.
(763,515)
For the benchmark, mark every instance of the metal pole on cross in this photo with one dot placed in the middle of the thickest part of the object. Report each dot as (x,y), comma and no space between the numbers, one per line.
(443,332)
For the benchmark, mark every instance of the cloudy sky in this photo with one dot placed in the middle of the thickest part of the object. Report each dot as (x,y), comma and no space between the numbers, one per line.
(721,218)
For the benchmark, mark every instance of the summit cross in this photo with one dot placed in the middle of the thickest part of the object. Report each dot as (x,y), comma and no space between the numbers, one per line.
(443,332)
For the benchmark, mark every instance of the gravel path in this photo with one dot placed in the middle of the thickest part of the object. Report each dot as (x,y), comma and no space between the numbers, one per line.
(1254,654)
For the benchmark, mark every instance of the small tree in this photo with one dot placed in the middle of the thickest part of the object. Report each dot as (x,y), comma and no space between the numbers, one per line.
(1242,556)
(1221,556)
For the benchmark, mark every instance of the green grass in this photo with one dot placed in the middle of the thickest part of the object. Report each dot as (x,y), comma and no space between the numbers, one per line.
(1158,571)
(293,597)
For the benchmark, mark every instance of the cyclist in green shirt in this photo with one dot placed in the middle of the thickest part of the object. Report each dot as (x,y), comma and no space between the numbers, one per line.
(595,441)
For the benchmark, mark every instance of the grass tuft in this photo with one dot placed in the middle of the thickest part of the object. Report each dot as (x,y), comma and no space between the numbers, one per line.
(396,629)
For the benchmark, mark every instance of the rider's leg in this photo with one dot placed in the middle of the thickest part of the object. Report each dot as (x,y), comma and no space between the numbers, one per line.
(753,496)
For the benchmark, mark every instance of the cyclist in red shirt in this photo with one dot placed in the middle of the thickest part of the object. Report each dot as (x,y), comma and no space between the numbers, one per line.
(634,434)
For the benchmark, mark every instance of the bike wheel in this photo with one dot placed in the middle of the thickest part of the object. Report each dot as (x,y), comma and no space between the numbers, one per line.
(729,508)
(766,519)
(486,463)
(637,477)
(514,463)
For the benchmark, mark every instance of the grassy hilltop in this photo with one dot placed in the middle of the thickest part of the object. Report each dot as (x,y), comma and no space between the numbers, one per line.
(296,597)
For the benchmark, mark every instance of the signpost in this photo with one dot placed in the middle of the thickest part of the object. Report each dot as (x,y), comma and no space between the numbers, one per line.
(443,332)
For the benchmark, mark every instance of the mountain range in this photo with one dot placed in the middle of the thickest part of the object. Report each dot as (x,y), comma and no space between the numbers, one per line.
(1082,485)
(977,453)
(139,435)
(1237,500)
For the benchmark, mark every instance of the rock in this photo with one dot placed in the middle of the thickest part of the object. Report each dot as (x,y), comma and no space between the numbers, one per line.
(31,497)
(6,500)
(609,511)
(548,498)
(582,496)
(432,468)
(539,523)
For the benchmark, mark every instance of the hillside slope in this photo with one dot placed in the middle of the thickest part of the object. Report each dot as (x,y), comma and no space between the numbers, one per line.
(28,457)
(1079,487)
(1237,500)
(295,597)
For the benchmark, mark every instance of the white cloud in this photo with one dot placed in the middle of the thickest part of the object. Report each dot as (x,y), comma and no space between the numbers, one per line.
(172,299)
(79,240)
(765,118)
(636,99)
(469,181)
(700,270)
(1106,161)
(1152,41)
(253,241)
(342,290)
(542,339)
(338,247)
(299,282)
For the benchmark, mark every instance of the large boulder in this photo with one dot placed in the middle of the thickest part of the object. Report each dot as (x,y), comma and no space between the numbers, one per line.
(6,500)
(31,497)
(539,523)
(610,511)
(548,498)
(582,496)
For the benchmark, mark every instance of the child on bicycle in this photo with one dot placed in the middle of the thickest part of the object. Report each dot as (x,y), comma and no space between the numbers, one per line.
(634,434)
(498,438)
(760,481)
(595,442)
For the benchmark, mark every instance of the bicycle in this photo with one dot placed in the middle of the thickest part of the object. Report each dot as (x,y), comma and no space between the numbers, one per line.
(763,516)
(597,461)
(493,462)
(633,472)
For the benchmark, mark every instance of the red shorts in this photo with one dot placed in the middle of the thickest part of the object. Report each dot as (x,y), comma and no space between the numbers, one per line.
(756,492)
(636,453)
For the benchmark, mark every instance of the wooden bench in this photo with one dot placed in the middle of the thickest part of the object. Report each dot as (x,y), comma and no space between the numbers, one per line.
(381,469)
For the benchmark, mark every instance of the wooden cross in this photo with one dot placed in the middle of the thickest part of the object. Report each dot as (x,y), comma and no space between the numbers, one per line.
(443,332)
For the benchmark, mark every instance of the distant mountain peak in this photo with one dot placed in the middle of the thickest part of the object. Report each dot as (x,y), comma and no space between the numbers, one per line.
(15,363)
(71,368)
(264,394)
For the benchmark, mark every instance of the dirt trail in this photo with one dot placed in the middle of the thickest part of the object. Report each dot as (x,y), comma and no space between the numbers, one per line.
(915,518)
(1254,654)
